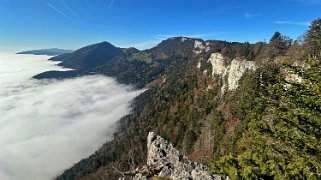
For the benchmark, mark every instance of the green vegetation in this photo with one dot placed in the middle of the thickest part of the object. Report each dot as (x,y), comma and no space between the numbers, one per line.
(313,39)
(283,134)
(140,56)
(279,44)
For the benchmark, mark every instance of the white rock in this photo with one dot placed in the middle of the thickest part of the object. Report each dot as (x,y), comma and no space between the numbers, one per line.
(233,72)
(199,47)
(160,151)
(218,64)
(184,39)
(174,165)
(293,78)
(236,71)
(199,65)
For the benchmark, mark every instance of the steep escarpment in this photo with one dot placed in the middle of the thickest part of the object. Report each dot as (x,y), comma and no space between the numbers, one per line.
(230,74)
(246,110)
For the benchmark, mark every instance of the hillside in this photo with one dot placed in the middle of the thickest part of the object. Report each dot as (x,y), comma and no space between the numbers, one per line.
(247,110)
(89,57)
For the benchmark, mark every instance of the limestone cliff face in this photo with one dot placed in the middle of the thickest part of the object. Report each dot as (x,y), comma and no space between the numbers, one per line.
(229,73)
(218,64)
(236,71)
(163,160)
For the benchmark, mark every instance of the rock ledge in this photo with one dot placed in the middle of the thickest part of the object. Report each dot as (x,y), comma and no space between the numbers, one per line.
(163,160)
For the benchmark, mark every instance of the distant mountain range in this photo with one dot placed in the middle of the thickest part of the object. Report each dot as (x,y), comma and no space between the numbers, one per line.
(127,65)
(49,52)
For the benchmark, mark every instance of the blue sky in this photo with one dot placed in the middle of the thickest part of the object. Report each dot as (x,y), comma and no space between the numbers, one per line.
(71,24)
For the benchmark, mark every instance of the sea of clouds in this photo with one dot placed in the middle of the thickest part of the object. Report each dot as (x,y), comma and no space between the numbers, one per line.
(48,125)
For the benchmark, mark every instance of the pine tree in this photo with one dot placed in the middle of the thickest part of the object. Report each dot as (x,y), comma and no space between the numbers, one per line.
(279,44)
(276,35)
(313,39)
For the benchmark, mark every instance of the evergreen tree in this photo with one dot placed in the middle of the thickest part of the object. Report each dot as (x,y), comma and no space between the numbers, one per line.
(313,39)
(279,44)
(277,35)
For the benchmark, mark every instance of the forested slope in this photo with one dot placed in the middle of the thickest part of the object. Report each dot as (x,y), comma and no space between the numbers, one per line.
(248,110)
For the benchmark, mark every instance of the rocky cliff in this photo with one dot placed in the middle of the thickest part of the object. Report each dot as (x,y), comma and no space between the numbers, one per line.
(163,160)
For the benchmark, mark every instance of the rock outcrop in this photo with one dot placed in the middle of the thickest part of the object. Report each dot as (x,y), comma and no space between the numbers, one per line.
(199,47)
(236,71)
(163,160)
(233,72)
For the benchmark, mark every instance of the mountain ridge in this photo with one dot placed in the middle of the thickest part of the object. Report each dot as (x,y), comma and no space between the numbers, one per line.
(143,67)
(49,52)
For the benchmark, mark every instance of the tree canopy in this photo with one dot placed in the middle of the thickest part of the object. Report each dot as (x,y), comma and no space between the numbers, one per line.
(313,39)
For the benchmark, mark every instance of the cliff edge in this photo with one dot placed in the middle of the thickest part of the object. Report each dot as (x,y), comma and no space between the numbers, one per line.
(163,160)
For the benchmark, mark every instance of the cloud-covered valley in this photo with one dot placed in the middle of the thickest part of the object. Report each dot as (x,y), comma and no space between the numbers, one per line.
(46,126)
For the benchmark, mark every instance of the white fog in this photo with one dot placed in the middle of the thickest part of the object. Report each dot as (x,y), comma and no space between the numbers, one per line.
(46,126)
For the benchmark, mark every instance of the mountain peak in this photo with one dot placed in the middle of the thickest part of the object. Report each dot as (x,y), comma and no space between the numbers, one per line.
(90,56)
(104,43)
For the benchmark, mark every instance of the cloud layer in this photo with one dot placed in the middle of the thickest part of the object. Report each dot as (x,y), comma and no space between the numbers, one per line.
(47,126)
